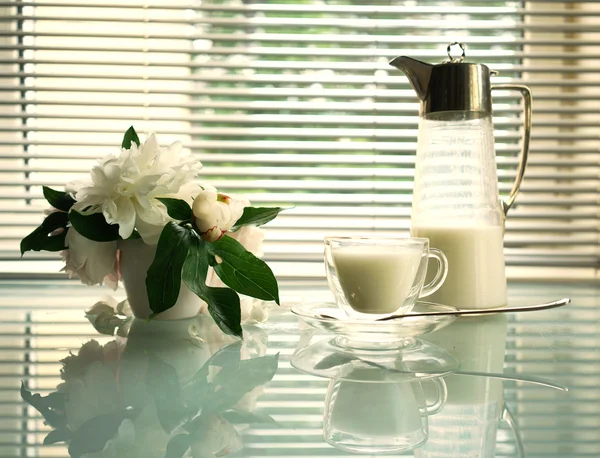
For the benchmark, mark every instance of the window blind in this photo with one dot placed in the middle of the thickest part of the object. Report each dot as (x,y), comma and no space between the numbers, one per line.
(294,103)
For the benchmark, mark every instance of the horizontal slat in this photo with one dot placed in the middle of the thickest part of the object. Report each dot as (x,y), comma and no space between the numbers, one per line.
(340,23)
(288,119)
(368,199)
(286,145)
(323,8)
(307,38)
(383,176)
(289,78)
(354,187)
(351,53)
(371,213)
(356,67)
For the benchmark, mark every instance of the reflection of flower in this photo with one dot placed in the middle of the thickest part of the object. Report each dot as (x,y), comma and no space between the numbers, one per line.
(127,399)
(216,213)
(124,187)
(93,262)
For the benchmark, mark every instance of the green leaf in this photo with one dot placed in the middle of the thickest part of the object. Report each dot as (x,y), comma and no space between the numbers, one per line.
(93,435)
(94,227)
(51,407)
(256,216)
(176,208)
(40,238)
(178,445)
(129,137)
(224,307)
(242,271)
(163,280)
(223,303)
(163,385)
(58,435)
(134,235)
(58,199)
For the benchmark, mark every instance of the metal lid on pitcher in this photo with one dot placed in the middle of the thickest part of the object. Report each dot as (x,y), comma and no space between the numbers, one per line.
(453,85)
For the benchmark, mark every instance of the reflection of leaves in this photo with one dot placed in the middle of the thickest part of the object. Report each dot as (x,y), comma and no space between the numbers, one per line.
(236,378)
(195,391)
(230,354)
(163,385)
(178,445)
(62,434)
(106,320)
(241,417)
(93,435)
(51,407)
(233,382)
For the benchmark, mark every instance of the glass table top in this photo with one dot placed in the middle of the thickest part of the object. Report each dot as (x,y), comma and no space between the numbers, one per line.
(183,389)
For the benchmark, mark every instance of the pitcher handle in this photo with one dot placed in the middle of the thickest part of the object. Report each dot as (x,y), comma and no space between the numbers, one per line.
(526,94)
(508,417)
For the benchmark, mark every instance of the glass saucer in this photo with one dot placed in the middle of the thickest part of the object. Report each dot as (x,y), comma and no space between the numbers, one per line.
(416,359)
(374,334)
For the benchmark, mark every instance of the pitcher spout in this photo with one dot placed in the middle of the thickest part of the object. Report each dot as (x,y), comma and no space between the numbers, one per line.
(418,73)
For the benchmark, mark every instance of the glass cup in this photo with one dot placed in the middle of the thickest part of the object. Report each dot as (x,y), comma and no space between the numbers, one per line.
(378,417)
(377,277)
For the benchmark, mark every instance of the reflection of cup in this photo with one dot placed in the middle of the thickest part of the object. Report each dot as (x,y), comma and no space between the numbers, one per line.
(378,417)
(376,277)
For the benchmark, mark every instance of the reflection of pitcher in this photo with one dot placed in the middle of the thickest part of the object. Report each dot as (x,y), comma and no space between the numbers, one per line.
(468,424)
(455,198)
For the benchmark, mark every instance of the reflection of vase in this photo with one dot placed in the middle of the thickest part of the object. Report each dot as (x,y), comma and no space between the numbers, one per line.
(135,258)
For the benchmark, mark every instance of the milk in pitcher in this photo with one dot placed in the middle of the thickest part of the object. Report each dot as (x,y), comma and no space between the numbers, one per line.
(476,275)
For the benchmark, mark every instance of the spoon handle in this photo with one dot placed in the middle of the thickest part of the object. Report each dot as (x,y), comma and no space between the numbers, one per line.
(525,308)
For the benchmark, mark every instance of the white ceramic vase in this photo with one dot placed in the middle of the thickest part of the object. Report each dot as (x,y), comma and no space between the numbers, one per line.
(135,259)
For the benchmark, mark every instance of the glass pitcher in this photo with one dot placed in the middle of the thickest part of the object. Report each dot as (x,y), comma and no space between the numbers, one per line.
(455,197)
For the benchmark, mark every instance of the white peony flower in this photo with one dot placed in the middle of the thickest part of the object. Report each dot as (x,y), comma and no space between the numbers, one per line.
(124,187)
(215,213)
(94,263)
(251,238)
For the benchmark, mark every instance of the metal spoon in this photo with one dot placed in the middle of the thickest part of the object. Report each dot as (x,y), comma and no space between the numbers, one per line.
(524,308)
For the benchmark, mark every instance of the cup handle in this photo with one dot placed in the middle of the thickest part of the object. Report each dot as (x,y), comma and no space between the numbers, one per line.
(440,275)
(440,402)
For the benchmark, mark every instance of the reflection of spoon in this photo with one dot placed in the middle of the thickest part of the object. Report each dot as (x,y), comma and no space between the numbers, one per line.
(524,308)
(337,359)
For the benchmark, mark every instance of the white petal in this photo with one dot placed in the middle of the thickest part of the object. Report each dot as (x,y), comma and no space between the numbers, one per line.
(150,233)
(125,216)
